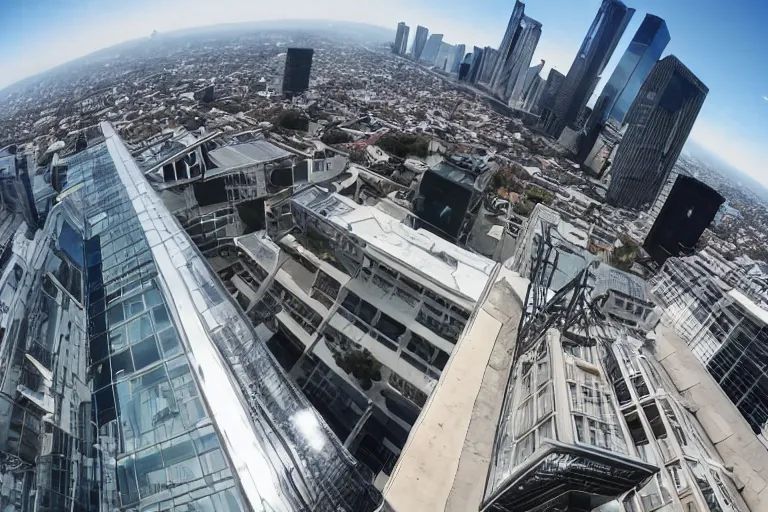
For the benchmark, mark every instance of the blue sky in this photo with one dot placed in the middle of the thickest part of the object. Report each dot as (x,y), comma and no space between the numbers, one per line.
(724,44)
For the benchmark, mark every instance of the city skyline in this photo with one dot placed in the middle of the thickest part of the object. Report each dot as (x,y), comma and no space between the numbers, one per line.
(731,125)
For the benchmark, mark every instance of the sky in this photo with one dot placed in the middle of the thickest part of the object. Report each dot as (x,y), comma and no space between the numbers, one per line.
(724,44)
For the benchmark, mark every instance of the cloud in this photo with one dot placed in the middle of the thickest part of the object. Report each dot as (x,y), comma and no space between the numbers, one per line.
(765,98)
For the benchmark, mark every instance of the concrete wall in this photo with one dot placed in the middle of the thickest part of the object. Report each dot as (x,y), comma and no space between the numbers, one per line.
(444,464)
(728,430)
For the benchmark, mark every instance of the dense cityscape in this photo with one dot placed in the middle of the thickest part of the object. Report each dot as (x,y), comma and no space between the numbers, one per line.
(300,266)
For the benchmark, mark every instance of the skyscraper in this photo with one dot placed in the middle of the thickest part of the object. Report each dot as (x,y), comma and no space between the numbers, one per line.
(298,64)
(129,378)
(419,41)
(555,81)
(458,57)
(401,38)
(595,52)
(431,48)
(659,122)
(689,209)
(515,53)
(507,45)
(490,57)
(641,55)
(475,65)
(530,81)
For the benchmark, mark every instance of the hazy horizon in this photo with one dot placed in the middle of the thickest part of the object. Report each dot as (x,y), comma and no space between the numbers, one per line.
(732,123)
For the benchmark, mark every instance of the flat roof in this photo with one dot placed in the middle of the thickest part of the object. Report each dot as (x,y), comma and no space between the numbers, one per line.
(442,263)
(749,305)
(257,151)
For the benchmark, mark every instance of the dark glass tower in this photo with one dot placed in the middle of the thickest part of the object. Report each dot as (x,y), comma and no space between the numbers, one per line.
(298,64)
(595,52)
(645,49)
(659,122)
(689,209)
(419,41)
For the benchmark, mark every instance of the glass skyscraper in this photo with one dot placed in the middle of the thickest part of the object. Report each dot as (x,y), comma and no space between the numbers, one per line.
(515,53)
(130,380)
(659,122)
(595,52)
(298,64)
(645,49)
(401,38)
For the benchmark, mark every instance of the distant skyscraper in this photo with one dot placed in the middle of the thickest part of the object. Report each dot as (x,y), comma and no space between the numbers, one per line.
(641,55)
(431,48)
(458,57)
(595,52)
(507,44)
(475,65)
(528,81)
(659,122)
(419,41)
(401,38)
(555,81)
(515,53)
(532,97)
(464,71)
(298,64)
(445,56)
(490,56)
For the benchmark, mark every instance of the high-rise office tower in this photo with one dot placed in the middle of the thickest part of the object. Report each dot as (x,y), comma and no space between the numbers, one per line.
(529,80)
(130,380)
(508,42)
(659,122)
(633,68)
(419,41)
(555,81)
(298,64)
(597,48)
(431,48)
(533,92)
(445,56)
(401,38)
(515,55)
(475,65)
(458,57)
(490,57)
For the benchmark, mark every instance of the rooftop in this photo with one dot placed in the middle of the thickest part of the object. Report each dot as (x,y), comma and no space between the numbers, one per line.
(608,278)
(257,151)
(420,251)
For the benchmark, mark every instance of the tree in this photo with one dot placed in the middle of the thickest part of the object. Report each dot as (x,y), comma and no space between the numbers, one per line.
(539,195)
(292,120)
(361,365)
(336,136)
(404,144)
(523,208)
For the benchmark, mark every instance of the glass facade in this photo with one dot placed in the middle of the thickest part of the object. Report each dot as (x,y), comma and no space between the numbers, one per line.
(644,50)
(595,52)
(129,382)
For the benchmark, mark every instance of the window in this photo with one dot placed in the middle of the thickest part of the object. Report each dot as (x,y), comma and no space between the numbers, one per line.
(677,475)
